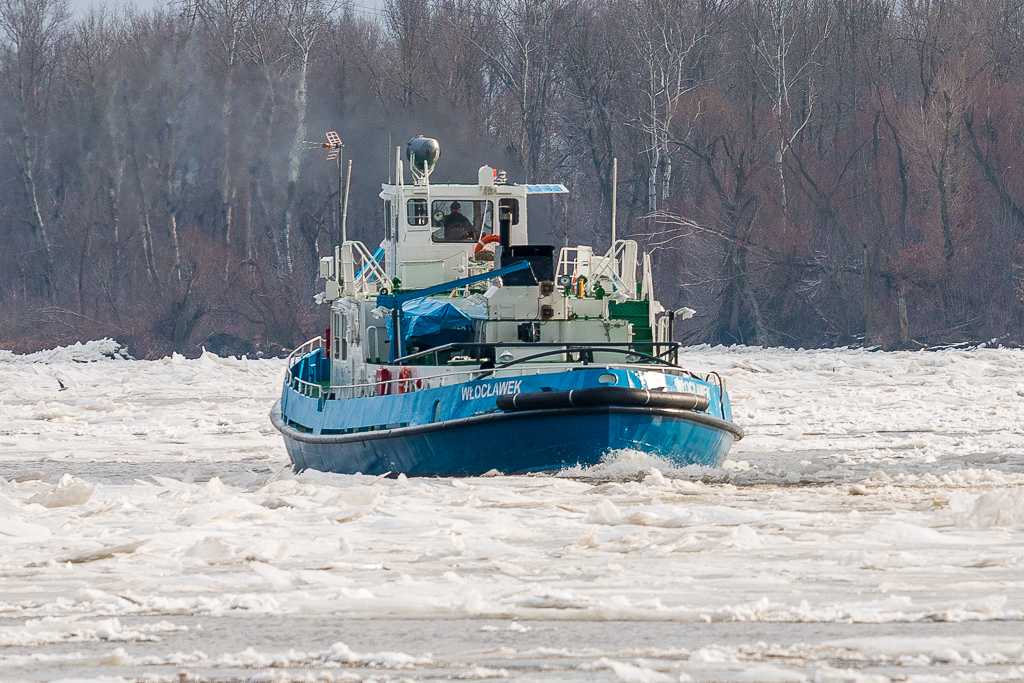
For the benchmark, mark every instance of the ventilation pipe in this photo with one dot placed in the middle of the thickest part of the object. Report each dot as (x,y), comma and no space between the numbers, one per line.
(505,226)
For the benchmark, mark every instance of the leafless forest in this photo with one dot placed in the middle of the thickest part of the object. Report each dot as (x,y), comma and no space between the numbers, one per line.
(808,172)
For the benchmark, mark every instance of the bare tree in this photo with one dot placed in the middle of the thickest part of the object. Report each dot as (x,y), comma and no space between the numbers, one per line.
(406,59)
(810,170)
(304,22)
(671,43)
(32,32)
(732,161)
(523,59)
(936,129)
(784,48)
(597,96)
(226,21)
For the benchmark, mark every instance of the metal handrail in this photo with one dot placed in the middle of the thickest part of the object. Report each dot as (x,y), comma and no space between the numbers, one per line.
(369,263)
(608,269)
(302,351)
(581,349)
(316,390)
(611,262)
(401,379)
(720,381)
(567,346)
(486,372)
(334,388)
(302,348)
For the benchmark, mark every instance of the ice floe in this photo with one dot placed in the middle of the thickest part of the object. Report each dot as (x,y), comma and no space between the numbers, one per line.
(872,488)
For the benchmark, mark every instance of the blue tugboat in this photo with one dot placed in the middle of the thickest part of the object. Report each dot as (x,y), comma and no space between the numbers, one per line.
(458,347)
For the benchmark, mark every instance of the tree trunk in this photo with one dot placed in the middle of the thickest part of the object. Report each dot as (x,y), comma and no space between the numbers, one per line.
(654,156)
(295,160)
(83,259)
(869,293)
(147,228)
(666,169)
(993,177)
(904,322)
(947,227)
(26,164)
(227,193)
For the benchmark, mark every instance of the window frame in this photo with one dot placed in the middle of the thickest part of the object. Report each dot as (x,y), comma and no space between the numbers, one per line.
(512,203)
(485,229)
(338,335)
(413,218)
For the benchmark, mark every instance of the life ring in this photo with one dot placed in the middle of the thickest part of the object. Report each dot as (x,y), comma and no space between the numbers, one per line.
(484,241)
(383,381)
(405,383)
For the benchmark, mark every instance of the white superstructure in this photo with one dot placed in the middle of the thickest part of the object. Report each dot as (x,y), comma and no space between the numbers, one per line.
(440,233)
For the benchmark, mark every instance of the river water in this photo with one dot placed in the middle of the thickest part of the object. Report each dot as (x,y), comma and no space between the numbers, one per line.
(869,528)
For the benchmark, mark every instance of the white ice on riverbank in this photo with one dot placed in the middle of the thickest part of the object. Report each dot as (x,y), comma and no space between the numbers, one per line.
(861,660)
(872,487)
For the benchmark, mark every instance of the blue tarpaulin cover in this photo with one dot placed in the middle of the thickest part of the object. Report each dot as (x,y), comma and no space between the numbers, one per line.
(428,317)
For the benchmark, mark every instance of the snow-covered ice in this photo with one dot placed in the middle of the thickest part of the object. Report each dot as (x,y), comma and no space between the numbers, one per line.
(874,513)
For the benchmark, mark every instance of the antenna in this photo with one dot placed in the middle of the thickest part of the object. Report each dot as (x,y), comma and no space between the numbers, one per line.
(335,145)
(615,198)
(344,213)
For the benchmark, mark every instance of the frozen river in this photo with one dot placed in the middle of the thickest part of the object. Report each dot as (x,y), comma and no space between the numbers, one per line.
(869,528)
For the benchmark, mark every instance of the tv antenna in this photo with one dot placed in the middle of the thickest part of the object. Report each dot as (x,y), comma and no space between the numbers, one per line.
(335,145)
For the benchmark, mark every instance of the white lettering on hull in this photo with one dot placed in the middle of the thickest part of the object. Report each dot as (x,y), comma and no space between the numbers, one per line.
(510,386)
(695,388)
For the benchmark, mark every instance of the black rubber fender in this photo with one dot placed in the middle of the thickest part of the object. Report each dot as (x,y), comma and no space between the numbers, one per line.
(601,396)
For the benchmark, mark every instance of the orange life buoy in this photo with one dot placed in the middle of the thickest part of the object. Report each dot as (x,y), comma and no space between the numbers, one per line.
(484,241)
(383,381)
(405,383)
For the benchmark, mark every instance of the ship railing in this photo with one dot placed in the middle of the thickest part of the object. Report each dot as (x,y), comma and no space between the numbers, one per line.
(658,352)
(305,387)
(719,381)
(617,265)
(391,386)
(361,271)
(418,382)
(664,355)
(395,385)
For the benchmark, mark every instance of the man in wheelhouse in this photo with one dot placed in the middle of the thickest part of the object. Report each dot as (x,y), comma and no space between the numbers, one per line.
(456,226)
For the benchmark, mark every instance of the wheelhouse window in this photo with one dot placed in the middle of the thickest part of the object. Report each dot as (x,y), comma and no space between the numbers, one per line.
(338,334)
(416,210)
(513,208)
(461,220)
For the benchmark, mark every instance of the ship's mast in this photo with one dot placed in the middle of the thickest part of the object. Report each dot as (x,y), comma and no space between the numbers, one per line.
(335,145)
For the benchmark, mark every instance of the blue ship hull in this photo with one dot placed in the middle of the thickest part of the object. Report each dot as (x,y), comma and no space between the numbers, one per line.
(458,430)
(516,442)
